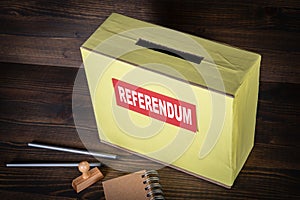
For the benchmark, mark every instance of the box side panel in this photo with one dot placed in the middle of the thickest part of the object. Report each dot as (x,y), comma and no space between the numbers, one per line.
(244,117)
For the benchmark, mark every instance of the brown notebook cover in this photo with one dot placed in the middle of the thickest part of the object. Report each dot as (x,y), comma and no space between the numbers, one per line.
(134,186)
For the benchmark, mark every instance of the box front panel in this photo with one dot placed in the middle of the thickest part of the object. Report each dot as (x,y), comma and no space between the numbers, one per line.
(134,109)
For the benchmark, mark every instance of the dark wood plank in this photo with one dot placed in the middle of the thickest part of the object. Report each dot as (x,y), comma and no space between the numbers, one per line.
(277,115)
(7,195)
(51,33)
(41,50)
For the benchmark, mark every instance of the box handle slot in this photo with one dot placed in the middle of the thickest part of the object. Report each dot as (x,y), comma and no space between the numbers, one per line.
(169,51)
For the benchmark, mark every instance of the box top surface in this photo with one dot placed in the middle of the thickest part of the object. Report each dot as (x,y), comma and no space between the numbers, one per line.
(211,65)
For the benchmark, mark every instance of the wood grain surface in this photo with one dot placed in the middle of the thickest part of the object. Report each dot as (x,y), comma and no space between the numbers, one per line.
(40,59)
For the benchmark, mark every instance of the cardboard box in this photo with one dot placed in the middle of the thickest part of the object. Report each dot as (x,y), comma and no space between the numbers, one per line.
(173,97)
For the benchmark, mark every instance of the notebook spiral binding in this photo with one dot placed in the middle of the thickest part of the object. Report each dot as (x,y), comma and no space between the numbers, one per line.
(152,185)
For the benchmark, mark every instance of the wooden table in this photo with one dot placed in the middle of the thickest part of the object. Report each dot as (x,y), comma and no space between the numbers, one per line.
(40,57)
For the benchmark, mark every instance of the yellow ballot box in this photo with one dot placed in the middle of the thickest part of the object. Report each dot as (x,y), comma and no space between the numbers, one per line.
(172,97)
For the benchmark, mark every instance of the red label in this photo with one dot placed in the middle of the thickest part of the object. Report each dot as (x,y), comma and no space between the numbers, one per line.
(155,105)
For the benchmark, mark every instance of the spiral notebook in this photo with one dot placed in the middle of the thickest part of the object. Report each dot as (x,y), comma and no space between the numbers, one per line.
(135,186)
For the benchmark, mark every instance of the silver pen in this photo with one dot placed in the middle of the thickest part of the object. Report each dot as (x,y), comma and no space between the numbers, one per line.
(71,150)
(49,164)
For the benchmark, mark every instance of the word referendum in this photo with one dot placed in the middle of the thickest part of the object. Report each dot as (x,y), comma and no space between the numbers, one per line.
(155,105)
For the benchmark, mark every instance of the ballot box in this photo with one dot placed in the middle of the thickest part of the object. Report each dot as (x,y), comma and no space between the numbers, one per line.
(172,97)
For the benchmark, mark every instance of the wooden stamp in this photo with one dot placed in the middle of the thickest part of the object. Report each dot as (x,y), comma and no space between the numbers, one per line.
(88,177)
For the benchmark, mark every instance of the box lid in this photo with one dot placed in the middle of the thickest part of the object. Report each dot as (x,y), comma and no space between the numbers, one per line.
(211,65)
